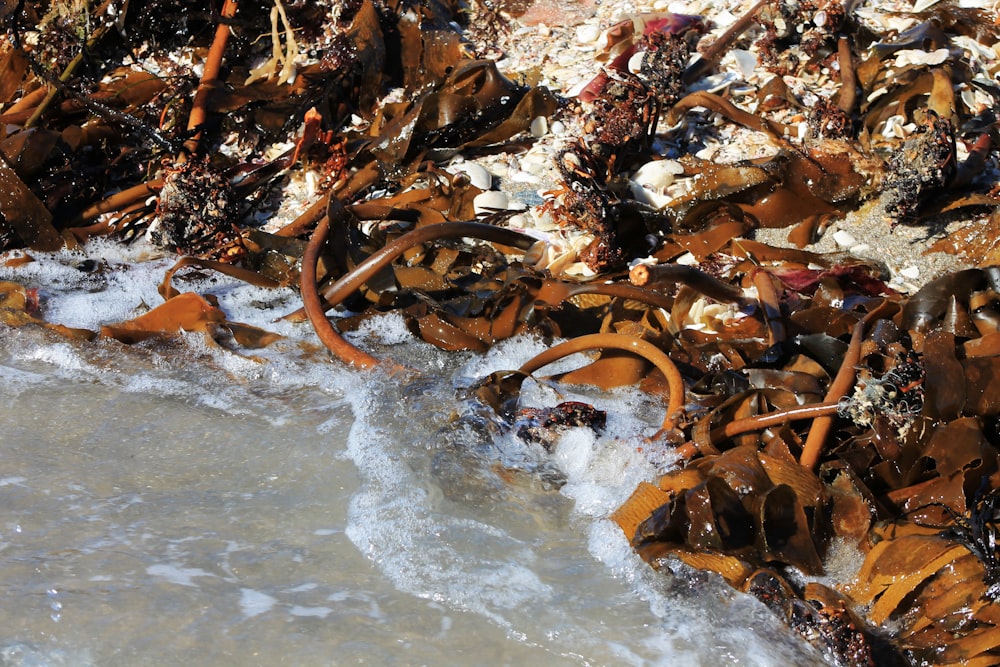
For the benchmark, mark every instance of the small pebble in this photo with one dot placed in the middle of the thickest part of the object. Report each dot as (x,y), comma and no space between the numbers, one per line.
(911,272)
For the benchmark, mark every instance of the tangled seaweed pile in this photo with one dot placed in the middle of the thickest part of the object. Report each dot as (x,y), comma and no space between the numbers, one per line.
(811,407)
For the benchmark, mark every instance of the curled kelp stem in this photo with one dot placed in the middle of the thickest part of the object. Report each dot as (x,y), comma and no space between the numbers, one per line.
(340,290)
(337,292)
(643,275)
(314,306)
(645,349)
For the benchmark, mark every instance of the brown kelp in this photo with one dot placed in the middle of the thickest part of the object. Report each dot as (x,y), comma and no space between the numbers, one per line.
(810,407)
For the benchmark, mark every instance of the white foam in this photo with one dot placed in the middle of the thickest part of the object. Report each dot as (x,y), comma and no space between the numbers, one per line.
(387,329)
(404,520)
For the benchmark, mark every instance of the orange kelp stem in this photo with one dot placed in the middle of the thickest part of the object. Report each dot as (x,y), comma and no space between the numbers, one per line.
(314,307)
(758,422)
(343,288)
(711,55)
(689,450)
(848,77)
(724,107)
(643,348)
(770,307)
(841,384)
(120,200)
(209,76)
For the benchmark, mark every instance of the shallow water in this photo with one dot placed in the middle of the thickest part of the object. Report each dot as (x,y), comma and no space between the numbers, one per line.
(183,503)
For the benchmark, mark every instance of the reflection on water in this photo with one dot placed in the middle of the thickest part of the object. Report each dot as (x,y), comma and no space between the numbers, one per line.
(177,503)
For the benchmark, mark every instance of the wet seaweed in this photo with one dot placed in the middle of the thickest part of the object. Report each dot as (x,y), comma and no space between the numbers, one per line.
(807,405)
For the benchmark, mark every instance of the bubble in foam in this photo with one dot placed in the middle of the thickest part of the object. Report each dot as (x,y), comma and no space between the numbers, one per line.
(387,329)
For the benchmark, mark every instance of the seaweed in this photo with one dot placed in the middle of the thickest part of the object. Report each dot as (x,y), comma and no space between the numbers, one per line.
(806,403)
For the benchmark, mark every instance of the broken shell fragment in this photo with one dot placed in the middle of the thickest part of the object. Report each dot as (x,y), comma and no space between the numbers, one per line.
(650,182)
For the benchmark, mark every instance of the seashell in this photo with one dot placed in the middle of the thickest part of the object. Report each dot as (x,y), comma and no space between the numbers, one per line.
(635,62)
(896,127)
(974,48)
(746,61)
(708,316)
(906,57)
(539,126)
(650,182)
(490,201)
(535,162)
(587,33)
(923,5)
(478,175)
(521,176)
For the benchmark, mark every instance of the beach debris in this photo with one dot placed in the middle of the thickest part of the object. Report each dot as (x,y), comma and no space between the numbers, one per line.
(809,408)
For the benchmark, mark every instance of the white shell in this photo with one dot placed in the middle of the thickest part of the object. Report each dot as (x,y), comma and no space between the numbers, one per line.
(635,62)
(649,183)
(478,175)
(587,33)
(746,61)
(895,127)
(539,126)
(906,57)
(490,201)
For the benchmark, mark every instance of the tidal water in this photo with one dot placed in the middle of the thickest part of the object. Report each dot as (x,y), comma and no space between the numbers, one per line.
(183,503)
